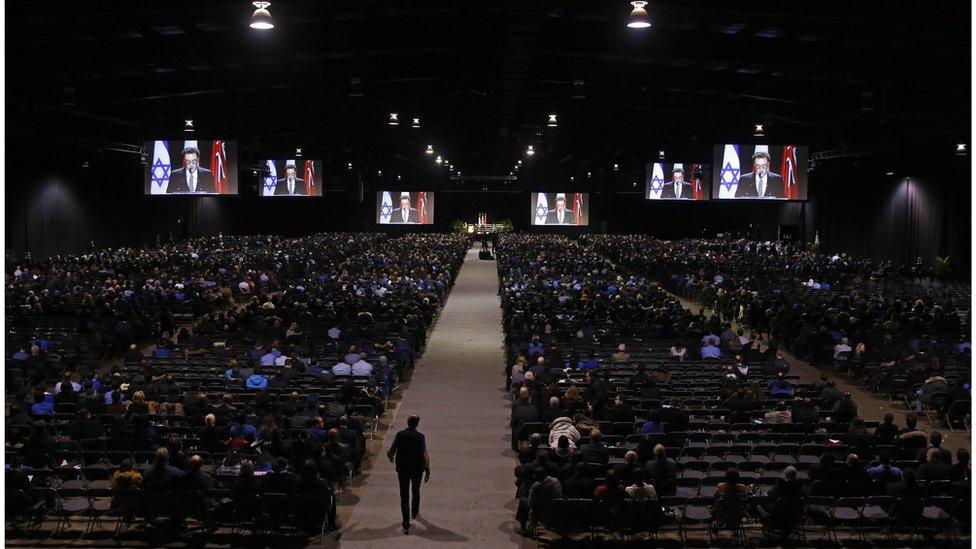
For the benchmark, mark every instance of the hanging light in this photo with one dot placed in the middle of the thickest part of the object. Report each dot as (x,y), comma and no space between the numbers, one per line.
(349,166)
(520,162)
(552,121)
(394,120)
(379,172)
(188,125)
(961,149)
(616,167)
(572,178)
(660,154)
(430,149)
(439,159)
(298,153)
(261,18)
(638,17)
(530,151)
(416,123)
(759,130)
(398,177)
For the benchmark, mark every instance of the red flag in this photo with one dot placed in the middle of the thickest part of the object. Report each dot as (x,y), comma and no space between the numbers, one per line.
(789,171)
(219,166)
(696,184)
(422,206)
(578,208)
(310,177)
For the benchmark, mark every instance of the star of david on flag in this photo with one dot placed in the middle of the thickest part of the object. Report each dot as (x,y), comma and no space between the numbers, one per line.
(729,176)
(159,171)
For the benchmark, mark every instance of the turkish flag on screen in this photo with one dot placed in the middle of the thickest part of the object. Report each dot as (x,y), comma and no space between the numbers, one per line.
(578,208)
(422,206)
(310,177)
(219,166)
(789,171)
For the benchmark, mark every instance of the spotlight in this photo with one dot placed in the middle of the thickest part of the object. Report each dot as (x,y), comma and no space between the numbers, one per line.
(430,149)
(589,174)
(394,120)
(519,163)
(579,89)
(638,17)
(398,177)
(759,130)
(660,154)
(572,178)
(261,18)
(616,167)
(188,125)
(298,153)
(961,149)
(416,123)
(889,174)
(552,121)
(530,151)
(349,166)
(379,172)
(439,159)
(634,185)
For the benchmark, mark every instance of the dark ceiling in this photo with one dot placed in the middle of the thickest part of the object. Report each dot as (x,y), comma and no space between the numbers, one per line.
(885,77)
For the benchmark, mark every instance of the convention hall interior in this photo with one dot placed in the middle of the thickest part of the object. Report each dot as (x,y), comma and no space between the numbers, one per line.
(487,273)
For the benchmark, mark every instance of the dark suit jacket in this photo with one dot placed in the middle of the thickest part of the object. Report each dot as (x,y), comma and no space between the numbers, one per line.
(686,192)
(178,184)
(595,452)
(282,186)
(397,216)
(552,218)
(747,186)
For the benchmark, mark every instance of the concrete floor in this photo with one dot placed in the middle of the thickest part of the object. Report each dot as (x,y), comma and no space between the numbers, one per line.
(458,390)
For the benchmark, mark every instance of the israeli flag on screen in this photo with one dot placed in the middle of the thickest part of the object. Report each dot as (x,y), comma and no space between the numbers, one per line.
(541,209)
(657,181)
(270,180)
(386,207)
(729,174)
(159,171)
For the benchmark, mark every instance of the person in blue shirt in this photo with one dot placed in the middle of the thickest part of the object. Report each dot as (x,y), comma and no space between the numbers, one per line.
(43,404)
(257,381)
(589,363)
(342,369)
(21,354)
(536,347)
(268,359)
(233,373)
(780,386)
(41,342)
(162,350)
(711,351)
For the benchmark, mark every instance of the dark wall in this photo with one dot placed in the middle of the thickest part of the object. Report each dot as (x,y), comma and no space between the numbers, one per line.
(63,207)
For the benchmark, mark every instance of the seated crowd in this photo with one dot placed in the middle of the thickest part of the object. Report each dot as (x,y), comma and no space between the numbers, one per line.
(631,412)
(289,354)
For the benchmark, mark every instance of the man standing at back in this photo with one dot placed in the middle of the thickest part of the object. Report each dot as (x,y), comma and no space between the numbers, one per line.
(409,451)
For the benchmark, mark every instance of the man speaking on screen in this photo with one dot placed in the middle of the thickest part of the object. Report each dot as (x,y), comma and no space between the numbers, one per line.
(678,187)
(191,178)
(405,214)
(291,184)
(760,183)
(560,216)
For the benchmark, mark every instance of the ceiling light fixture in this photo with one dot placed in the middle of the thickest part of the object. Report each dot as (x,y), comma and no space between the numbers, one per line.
(961,149)
(616,167)
(660,154)
(430,149)
(261,18)
(416,123)
(638,17)
(379,172)
(349,166)
(530,151)
(758,130)
(439,159)
(298,153)
(188,125)
(579,89)
(552,121)
(394,120)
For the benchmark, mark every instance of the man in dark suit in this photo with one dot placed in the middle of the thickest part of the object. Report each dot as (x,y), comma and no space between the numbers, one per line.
(596,451)
(677,188)
(409,452)
(405,214)
(291,184)
(560,215)
(760,183)
(191,178)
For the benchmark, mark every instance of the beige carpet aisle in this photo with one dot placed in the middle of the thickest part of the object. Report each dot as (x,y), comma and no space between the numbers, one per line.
(458,390)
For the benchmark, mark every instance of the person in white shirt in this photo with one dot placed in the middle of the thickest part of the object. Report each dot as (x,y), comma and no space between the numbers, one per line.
(841,347)
(678,351)
(361,367)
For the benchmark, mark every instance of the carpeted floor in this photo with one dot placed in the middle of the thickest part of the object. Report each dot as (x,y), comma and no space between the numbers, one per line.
(458,390)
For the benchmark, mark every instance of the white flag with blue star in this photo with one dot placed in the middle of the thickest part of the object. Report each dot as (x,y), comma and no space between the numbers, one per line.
(386,207)
(159,171)
(657,181)
(270,180)
(729,174)
(541,209)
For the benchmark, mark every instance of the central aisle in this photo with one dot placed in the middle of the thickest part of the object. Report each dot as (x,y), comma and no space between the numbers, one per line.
(457,390)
